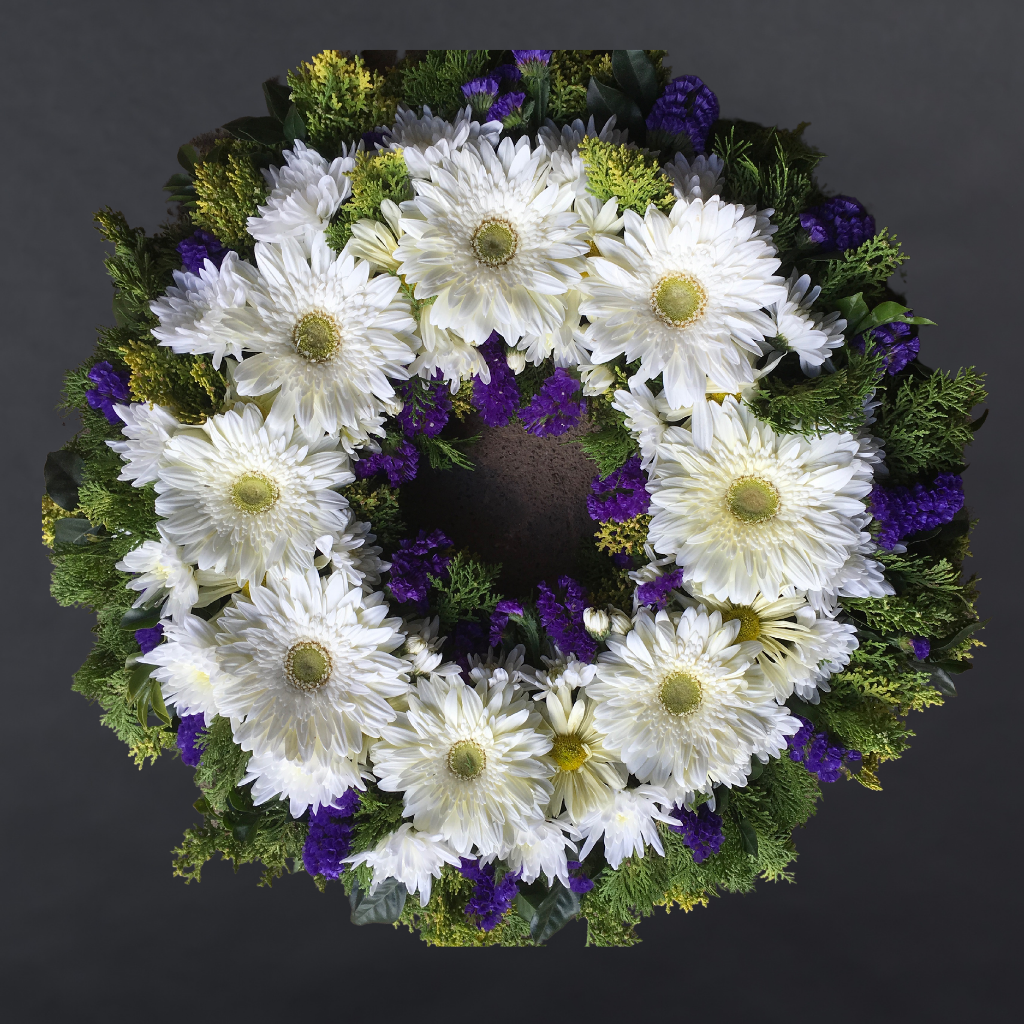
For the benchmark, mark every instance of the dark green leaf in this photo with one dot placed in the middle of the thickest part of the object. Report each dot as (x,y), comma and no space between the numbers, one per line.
(382,907)
(958,638)
(188,158)
(62,476)
(294,126)
(138,680)
(560,906)
(264,130)
(721,799)
(756,769)
(852,308)
(156,700)
(942,680)
(748,837)
(278,97)
(141,618)
(71,531)
(603,101)
(202,805)
(636,77)
(975,425)
(886,313)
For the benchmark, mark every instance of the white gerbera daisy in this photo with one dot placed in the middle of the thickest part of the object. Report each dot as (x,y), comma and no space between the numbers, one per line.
(161,574)
(245,495)
(147,429)
(492,242)
(422,650)
(468,769)
(584,772)
(759,511)
(414,858)
(186,666)
(682,293)
(540,848)
(859,576)
(564,344)
(327,335)
(561,671)
(791,325)
(310,662)
(193,312)
(353,553)
(312,783)
(700,178)
(304,194)
(426,141)
(627,823)
(680,700)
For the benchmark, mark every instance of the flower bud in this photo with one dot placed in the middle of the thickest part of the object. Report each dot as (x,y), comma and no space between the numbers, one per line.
(596,622)
(415,644)
(596,379)
(621,622)
(516,360)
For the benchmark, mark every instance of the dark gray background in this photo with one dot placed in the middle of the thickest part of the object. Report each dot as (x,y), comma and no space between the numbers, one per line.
(907,901)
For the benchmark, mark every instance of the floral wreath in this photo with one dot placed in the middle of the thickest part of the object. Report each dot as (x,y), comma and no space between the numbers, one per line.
(552,241)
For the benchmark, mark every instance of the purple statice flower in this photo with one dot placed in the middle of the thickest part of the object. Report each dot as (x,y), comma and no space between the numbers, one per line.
(899,342)
(620,495)
(489,901)
(902,511)
(622,560)
(701,830)
(199,247)
(150,637)
(921,647)
(578,882)
(510,103)
(414,561)
(498,401)
(111,387)
(562,617)
(686,105)
(522,57)
(481,93)
(507,74)
(427,405)
(467,637)
(400,465)
(554,409)
(838,223)
(329,840)
(819,756)
(656,592)
(188,732)
(499,618)
(371,140)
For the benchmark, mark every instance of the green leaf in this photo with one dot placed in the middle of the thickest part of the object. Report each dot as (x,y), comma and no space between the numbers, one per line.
(141,618)
(266,131)
(156,700)
(756,769)
(188,158)
(887,313)
(384,906)
(72,531)
(958,638)
(941,679)
(852,308)
(722,795)
(636,77)
(279,99)
(748,837)
(138,680)
(603,101)
(62,476)
(560,906)
(975,425)
(294,126)
(202,805)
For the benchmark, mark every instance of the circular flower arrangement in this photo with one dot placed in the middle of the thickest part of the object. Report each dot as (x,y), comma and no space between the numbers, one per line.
(555,242)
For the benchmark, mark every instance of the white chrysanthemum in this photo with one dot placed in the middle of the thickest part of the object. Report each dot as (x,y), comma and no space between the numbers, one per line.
(426,141)
(493,242)
(564,344)
(700,178)
(561,671)
(186,666)
(422,650)
(414,858)
(246,496)
(161,574)
(682,293)
(310,661)
(645,421)
(194,310)
(681,701)
(627,823)
(540,849)
(859,576)
(567,167)
(304,194)
(467,763)
(325,333)
(313,782)
(759,511)
(354,554)
(584,772)
(147,429)
(792,325)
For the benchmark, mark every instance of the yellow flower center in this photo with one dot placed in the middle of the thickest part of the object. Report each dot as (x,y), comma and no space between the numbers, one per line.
(753,500)
(680,693)
(466,759)
(307,665)
(750,624)
(254,493)
(679,300)
(495,242)
(316,336)
(568,752)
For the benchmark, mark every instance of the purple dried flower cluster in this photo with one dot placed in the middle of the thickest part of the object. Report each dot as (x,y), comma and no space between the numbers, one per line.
(838,223)
(499,619)
(466,638)
(656,592)
(620,495)
(902,511)
(921,647)
(898,341)
(819,756)
(701,830)
(522,57)
(414,561)
(111,387)
(149,638)
(400,465)
(491,902)
(687,105)
(188,732)
(579,883)
(426,405)
(507,73)
(329,840)
(508,104)
(482,92)
(498,401)
(554,409)
(199,247)
(562,617)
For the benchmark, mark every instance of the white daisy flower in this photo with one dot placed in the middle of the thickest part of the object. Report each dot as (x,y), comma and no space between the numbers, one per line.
(646,421)
(376,241)
(354,554)
(245,495)
(567,167)
(310,661)
(596,379)
(161,574)
(627,823)
(428,140)
(584,772)
(680,700)
(540,848)
(422,650)
(759,511)
(682,293)
(700,178)
(304,194)
(147,429)
(561,671)
(859,576)
(193,312)
(186,666)
(497,670)
(493,242)
(467,769)
(414,858)
(327,335)
(564,343)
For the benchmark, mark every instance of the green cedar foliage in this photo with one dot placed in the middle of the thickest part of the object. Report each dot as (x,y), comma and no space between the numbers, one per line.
(864,269)
(377,504)
(631,176)
(229,187)
(468,591)
(374,178)
(437,80)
